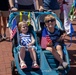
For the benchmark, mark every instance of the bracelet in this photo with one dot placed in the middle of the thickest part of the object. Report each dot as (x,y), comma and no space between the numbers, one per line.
(12,7)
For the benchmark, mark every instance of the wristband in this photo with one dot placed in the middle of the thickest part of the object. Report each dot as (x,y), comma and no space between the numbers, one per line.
(12,7)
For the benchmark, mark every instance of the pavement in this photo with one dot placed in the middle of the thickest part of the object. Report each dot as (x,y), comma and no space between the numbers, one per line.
(6,55)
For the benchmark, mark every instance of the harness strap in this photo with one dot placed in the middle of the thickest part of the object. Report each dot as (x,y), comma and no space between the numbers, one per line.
(20,16)
(29,18)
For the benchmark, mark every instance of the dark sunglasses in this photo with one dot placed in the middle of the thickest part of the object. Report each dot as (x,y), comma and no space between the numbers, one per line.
(52,20)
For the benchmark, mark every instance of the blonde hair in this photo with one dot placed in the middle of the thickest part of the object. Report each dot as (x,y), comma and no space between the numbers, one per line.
(48,17)
(20,24)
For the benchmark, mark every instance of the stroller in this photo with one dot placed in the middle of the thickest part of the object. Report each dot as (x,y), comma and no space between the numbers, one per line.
(48,64)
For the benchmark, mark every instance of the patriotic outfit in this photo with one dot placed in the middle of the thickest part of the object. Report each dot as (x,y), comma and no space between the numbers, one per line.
(25,39)
(55,36)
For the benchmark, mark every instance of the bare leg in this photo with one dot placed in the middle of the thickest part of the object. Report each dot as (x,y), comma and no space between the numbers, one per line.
(59,50)
(56,55)
(22,54)
(33,54)
(4,24)
(0,30)
(0,25)
(21,57)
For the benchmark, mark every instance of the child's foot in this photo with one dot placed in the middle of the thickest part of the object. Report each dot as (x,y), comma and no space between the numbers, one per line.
(23,65)
(35,65)
(65,64)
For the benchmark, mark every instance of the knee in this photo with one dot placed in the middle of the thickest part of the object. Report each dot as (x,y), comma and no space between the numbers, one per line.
(22,49)
(31,50)
(49,48)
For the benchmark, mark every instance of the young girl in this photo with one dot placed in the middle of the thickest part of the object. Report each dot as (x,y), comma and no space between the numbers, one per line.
(27,44)
(56,36)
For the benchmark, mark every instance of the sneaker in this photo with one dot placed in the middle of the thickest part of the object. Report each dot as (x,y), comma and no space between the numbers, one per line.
(60,67)
(4,37)
(65,64)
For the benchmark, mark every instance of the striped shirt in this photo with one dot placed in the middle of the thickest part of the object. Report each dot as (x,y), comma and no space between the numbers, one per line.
(25,39)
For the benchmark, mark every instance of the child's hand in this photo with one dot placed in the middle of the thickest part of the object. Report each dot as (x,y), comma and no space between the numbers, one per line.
(49,44)
(30,44)
(62,37)
(49,41)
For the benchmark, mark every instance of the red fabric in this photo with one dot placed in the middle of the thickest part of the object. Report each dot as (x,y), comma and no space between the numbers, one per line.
(46,41)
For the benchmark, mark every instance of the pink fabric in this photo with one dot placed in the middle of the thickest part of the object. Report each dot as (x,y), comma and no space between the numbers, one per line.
(44,42)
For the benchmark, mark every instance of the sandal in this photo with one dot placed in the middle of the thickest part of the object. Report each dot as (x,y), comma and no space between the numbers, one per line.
(23,65)
(35,66)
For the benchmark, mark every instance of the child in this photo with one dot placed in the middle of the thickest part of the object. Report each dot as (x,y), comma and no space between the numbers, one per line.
(56,36)
(27,44)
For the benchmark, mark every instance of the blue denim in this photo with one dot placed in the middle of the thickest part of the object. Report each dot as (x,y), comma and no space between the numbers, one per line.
(51,4)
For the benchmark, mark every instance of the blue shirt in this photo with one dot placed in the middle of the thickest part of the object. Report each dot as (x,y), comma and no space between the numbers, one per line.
(51,4)
(55,35)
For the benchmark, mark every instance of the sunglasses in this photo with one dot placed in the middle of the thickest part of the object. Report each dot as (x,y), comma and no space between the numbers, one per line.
(52,20)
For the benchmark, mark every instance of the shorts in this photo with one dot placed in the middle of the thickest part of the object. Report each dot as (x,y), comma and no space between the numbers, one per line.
(58,43)
(4,13)
(26,7)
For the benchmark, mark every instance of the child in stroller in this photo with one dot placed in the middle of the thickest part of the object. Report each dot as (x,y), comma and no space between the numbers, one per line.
(27,44)
(57,37)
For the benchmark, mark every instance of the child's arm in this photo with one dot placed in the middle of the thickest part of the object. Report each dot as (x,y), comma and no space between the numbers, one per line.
(62,37)
(33,41)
